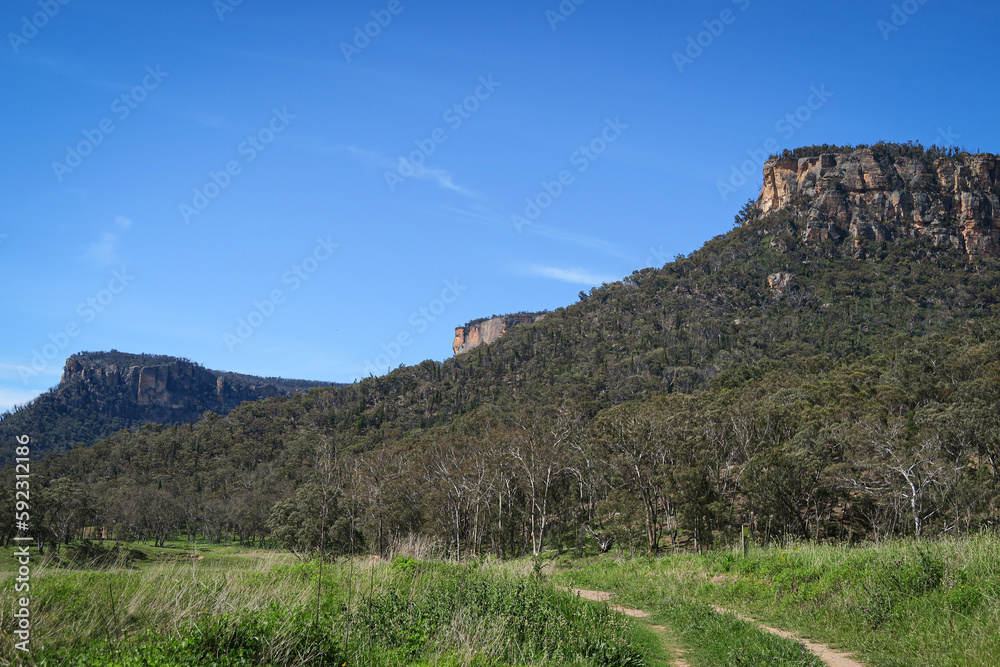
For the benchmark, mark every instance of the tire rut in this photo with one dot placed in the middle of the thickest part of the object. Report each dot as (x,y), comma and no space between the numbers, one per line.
(828,655)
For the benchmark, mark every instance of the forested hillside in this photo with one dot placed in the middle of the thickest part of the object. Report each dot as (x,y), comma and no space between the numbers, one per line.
(834,385)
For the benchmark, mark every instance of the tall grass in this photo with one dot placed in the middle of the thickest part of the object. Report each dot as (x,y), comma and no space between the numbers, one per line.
(370,612)
(894,604)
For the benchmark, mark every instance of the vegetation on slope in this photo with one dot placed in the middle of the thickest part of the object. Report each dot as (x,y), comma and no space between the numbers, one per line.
(855,400)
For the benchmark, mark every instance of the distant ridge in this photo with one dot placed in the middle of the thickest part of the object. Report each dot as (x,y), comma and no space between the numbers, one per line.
(101,393)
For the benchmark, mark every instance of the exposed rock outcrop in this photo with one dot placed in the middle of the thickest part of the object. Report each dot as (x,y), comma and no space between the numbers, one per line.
(485,331)
(780,282)
(104,392)
(172,390)
(872,195)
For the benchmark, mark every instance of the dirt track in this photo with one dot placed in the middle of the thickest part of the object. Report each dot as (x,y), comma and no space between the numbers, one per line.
(825,653)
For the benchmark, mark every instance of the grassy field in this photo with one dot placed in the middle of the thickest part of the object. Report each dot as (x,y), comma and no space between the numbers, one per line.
(932,603)
(103,555)
(260,608)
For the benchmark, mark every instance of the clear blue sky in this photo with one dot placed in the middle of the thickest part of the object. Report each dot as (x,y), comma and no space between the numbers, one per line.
(267,92)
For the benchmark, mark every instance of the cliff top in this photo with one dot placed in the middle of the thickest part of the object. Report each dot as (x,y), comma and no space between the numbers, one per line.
(124,360)
(911,149)
(866,198)
(522,313)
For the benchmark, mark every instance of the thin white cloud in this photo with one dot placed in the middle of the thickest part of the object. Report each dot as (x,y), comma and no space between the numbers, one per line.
(443,178)
(104,251)
(491,218)
(572,276)
(580,239)
(479,214)
(377,162)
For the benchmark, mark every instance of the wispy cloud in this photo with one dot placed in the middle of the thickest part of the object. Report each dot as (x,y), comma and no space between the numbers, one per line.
(572,276)
(490,218)
(376,161)
(104,251)
(443,178)
(479,214)
(580,239)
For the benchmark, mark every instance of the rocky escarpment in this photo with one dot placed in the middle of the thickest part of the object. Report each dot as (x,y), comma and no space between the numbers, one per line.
(875,195)
(104,392)
(485,331)
(170,391)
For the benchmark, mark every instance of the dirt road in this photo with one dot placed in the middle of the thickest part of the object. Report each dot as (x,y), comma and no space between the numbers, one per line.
(825,653)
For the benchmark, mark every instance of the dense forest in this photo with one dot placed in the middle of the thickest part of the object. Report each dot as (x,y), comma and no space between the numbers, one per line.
(761,380)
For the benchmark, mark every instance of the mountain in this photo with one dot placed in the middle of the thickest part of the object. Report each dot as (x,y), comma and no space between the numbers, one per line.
(103,392)
(843,336)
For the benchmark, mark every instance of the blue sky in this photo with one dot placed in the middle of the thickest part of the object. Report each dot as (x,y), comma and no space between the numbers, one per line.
(230,183)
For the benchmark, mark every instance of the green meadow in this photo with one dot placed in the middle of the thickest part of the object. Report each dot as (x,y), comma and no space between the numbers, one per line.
(895,604)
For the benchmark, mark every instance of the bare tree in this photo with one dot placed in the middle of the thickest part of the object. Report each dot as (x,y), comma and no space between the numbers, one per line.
(537,449)
(900,468)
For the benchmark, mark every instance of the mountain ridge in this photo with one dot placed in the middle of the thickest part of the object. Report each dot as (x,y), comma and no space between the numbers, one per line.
(768,351)
(100,393)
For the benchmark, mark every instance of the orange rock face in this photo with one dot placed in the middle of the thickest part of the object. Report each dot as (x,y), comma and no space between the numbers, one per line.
(483,332)
(866,196)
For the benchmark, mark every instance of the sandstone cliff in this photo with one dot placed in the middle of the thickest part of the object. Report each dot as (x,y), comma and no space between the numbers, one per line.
(101,393)
(172,390)
(483,332)
(874,195)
